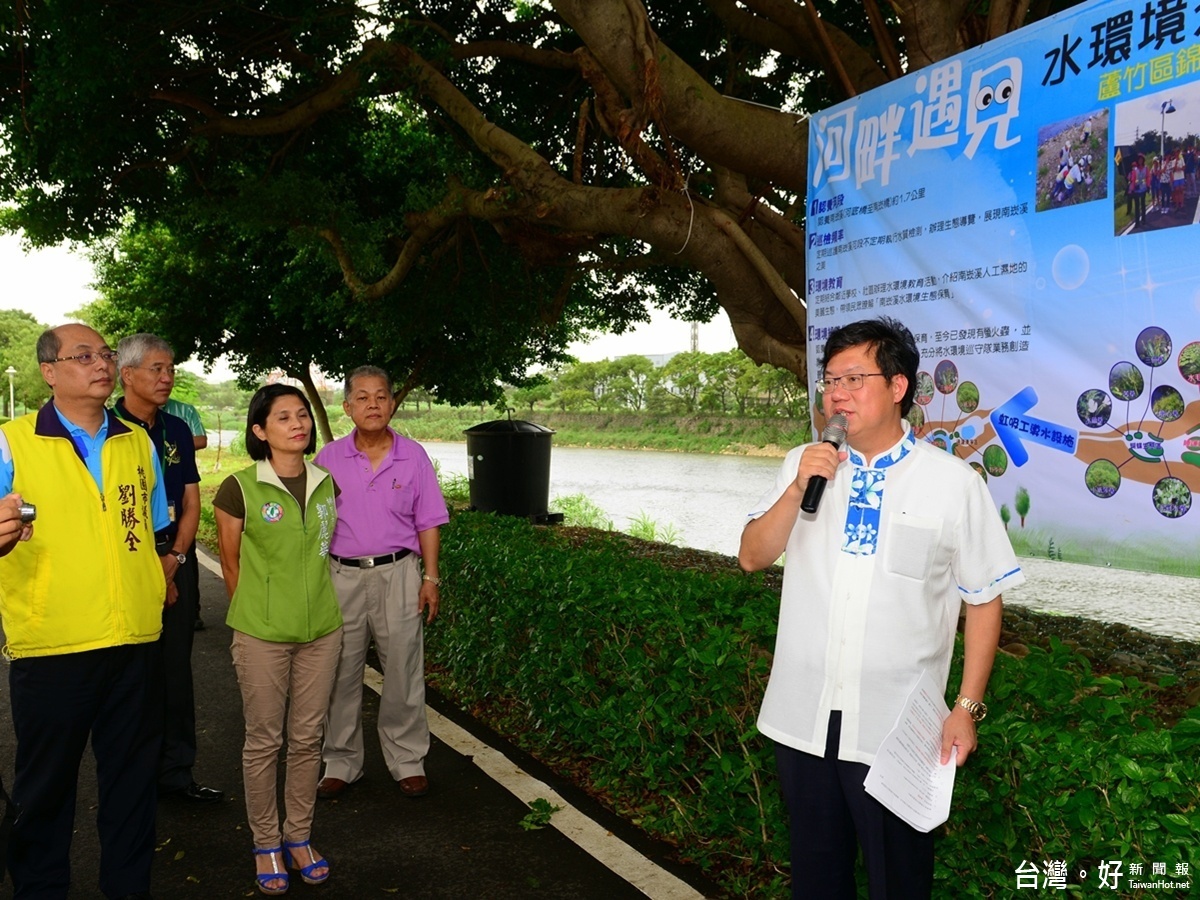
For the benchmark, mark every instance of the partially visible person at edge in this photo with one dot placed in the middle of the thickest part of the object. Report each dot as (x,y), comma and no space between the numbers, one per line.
(191,417)
(389,511)
(275,519)
(146,368)
(82,608)
(874,581)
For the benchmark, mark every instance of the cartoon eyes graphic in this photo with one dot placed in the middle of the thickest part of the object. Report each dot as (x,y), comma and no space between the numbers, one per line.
(987,95)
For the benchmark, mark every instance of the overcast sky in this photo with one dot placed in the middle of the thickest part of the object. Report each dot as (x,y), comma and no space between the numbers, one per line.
(1143,114)
(52,283)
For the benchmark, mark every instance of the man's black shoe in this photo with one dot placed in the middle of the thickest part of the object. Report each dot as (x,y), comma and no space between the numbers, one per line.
(195,793)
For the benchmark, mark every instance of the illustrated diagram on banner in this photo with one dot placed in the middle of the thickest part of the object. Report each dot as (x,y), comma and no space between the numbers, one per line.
(1153,445)
(1148,445)
(998,436)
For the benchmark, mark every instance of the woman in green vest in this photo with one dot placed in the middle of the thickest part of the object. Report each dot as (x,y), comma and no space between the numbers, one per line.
(274,522)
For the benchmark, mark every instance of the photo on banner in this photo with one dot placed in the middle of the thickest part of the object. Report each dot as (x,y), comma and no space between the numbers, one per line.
(1030,209)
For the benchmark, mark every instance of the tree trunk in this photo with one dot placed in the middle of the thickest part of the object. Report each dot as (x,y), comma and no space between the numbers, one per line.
(304,376)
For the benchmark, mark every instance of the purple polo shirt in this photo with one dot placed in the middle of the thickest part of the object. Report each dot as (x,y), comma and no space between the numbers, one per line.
(381,511)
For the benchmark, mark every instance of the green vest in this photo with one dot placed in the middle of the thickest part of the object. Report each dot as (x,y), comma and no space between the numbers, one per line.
(284,591)
(89,577)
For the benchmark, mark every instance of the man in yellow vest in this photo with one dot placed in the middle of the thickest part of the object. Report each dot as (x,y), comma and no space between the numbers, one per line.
(81,605)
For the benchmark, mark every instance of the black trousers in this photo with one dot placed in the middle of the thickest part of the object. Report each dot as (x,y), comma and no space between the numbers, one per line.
(112,695)
(179,700)
(828,810)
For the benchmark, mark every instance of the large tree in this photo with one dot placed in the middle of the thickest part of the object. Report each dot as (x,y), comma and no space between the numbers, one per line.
(554,164)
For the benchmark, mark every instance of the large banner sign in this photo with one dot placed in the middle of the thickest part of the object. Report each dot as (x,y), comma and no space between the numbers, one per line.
(1029,210)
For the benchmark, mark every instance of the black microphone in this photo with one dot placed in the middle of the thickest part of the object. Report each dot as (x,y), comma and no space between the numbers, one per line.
(834,433)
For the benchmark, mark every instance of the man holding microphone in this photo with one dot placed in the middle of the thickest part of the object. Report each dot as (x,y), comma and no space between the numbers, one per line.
(873,584)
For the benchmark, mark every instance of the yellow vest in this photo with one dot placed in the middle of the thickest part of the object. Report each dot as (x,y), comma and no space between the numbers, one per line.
(89,577)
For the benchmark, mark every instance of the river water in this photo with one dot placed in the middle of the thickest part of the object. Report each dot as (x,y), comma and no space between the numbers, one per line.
(706,497)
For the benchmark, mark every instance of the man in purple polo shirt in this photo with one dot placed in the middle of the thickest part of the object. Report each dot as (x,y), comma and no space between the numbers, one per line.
(389,510)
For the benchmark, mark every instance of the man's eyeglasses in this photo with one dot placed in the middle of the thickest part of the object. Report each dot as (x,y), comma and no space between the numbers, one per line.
(158,371)
(849,382)
(86,359)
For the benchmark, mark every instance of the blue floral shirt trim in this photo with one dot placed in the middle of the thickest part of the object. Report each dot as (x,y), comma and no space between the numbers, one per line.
(861,537)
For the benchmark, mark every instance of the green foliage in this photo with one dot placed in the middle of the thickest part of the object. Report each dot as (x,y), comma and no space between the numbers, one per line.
(581,512)
(1072,766)
(19,332)
(645,528)
(1022,504)
(645,681)
(540,812)
(224,397)
(651,677)
(187,387)
(456,489)
(371,229)
(1189,362)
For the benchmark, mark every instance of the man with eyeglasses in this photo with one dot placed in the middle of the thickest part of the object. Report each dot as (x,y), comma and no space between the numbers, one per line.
(82,611)
(873,585)
(146,367)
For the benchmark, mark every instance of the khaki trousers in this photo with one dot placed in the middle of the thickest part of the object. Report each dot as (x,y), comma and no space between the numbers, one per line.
(379,602)
(270,674)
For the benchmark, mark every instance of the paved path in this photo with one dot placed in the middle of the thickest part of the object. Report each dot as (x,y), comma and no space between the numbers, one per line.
(463,840)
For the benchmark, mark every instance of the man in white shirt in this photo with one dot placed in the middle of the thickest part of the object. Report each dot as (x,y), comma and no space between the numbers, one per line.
(872,589)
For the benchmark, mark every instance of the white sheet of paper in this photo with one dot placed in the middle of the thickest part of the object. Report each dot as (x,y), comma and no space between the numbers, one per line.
(907,776)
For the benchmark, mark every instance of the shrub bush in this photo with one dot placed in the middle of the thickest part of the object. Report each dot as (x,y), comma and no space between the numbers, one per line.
(643,682)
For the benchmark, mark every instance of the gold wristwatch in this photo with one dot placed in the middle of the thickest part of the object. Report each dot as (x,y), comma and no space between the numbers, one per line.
(976,708)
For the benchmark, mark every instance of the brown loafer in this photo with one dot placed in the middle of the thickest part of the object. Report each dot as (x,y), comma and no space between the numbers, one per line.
(329,788)
(414,786)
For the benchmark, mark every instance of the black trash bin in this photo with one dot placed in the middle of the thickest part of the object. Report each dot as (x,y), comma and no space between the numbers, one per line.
(508,466)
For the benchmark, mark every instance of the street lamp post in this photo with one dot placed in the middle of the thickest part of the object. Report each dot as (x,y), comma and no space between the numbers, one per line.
(1167,107)
(12,409)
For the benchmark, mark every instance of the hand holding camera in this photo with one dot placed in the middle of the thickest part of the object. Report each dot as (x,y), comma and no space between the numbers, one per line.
(16,521)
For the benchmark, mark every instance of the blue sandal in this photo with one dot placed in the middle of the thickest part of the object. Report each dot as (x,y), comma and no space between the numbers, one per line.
(306,872)
(274,875)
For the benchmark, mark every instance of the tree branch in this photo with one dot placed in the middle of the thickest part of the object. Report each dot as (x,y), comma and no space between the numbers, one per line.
(546,59)
(459,202)
(883,39)
(697,115)
(788,16)
(1005,16)
(341,88)
(762,266)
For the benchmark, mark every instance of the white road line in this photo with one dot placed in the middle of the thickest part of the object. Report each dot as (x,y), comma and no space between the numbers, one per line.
(649,878)
(209,563)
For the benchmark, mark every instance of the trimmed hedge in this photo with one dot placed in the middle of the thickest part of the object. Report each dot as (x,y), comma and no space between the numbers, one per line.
(642,682)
